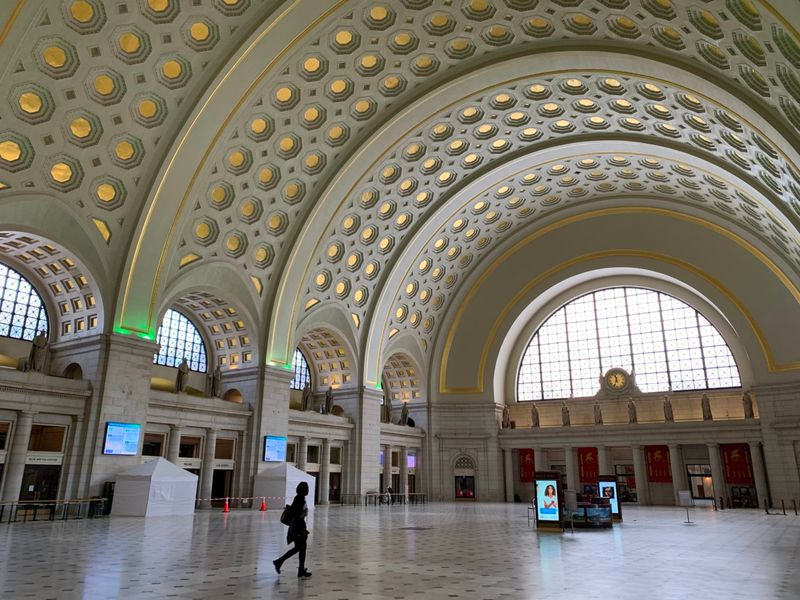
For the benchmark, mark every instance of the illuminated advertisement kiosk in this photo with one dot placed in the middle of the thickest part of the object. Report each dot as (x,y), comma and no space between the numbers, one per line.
(607,488)
(549,500)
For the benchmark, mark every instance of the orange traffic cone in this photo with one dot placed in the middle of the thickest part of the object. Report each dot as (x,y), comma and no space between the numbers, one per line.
(263,504)
(226,508)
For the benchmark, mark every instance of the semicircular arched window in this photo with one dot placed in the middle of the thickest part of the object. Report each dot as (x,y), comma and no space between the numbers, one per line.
(22,312)
(663,341)
(178,338)
(302,373)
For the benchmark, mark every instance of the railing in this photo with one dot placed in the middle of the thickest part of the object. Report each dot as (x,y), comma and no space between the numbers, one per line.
(51,510)
(377,498)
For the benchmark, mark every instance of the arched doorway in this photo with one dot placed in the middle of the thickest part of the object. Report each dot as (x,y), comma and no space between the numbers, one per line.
(464,478)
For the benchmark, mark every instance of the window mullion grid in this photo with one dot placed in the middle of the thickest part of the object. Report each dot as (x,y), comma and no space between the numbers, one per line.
(597,332)
(569,352)
(541,372)
(702,347)
(630,337)
(664,339)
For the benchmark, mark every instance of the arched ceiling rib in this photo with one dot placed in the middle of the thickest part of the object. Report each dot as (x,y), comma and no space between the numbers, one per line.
(428,167)
(370,59)
(95,91)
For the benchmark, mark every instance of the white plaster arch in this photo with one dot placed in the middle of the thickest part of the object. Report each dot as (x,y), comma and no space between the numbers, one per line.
(408,257)
(329,344)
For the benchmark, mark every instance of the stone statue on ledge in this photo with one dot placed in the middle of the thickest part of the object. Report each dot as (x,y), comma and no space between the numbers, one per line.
(632,418)
(307,398)
(747,404)
(506,422)
(404,414)
(668,416)
(564,414)
(534,416)
(329,401)
(215,384)
(387,407)
(598,413)
(37,357)
(705,404)
(182,379)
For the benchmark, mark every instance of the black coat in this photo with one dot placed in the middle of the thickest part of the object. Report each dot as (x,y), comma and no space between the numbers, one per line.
(298,526)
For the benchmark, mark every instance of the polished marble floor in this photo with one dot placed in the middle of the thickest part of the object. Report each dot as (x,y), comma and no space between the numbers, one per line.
(434,551)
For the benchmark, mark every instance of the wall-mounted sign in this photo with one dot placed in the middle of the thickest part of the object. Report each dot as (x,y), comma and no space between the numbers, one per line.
(274,448)
(122,439)
(44,458)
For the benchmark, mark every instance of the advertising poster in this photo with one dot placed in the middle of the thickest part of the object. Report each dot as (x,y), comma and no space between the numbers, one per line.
(527,466)
(122,438)
(608,490)
(547,508)
(275,448)
(658,469)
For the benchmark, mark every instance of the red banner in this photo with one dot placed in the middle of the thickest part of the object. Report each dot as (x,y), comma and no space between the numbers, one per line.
(737,465)
(587,463)
(658,469)
(527,465)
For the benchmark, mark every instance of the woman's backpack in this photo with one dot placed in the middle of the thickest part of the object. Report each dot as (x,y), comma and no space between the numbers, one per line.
(286,516)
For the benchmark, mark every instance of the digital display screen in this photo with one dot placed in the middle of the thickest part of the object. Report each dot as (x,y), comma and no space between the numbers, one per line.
(274,448)
(122,438)
(608,490)
(412,461)
(547,508)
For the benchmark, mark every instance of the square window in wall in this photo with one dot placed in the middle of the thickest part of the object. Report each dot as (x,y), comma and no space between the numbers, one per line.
(4,427)
(224,449)
(291,453)
(336,455)
(313,454)
(395,459)
(153,444)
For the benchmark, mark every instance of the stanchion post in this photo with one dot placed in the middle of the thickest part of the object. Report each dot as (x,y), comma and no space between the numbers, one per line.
(783,506)
(714,502)
(794,504)
(766,506)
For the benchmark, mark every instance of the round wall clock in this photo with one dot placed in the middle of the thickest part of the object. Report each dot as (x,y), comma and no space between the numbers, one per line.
(617,380)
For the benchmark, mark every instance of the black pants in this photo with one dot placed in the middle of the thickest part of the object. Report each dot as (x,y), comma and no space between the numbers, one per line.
(299,546)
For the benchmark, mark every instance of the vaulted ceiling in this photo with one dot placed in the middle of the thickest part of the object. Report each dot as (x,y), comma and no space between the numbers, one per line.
(371,155)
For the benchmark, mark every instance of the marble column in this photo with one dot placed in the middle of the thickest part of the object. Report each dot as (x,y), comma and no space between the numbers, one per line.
(15,459)
(570,455)
(363,406)
(324,471)
(717,474)
(603,464)
(72,459)
(302,454)
(680,480)
(207,474)
(403,472)
(174,450)
(640,473)
(508,468)
(540,459)
(387,468)
(759,477)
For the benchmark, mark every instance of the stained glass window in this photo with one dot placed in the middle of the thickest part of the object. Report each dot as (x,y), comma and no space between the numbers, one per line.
(179,338)
(302,374)
(22,313)
(663,341)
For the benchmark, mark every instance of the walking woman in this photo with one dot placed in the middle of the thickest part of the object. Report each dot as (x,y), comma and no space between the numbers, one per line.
(297,532)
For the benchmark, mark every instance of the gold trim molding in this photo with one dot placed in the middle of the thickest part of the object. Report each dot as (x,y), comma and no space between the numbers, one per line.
(769,357)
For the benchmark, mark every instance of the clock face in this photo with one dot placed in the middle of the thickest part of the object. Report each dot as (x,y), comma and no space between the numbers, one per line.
(616,379)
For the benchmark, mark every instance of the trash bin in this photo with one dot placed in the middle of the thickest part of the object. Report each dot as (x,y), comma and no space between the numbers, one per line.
(108,494)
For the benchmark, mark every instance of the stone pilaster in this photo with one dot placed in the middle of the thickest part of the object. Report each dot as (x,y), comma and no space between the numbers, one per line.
(603,465)
(174,450)
(540,459)
(717,474)
(640,473)
(757,460)
(363,406)
(207,473)
(680,480)
(508,468)
(403,472)
(15,459)
(324,471)
(571,460)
